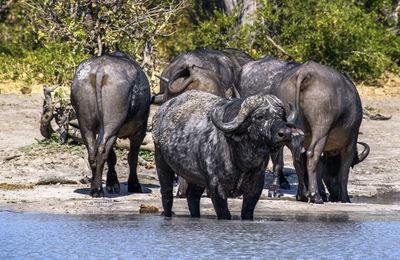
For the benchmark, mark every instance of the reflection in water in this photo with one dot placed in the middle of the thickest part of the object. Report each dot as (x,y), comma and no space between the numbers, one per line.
(35,236)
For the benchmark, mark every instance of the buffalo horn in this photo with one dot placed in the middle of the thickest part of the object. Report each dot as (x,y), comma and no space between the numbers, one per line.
(294,113)
(163,78)
(364,153)
(248,106)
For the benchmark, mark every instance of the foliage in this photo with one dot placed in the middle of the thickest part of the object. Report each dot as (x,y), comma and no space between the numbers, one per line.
(102,23)
(336,33)
(146,155)
(43,41)
(48,147)
(52,63)
(347,35)
(218,32)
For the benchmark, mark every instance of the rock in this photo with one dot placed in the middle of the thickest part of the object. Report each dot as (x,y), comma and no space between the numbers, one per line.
(145,209)
(26,90)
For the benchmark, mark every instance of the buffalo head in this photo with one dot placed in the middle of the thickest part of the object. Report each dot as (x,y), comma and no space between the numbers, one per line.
(262,120)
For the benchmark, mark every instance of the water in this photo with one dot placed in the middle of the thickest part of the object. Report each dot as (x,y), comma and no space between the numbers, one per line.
(40,236)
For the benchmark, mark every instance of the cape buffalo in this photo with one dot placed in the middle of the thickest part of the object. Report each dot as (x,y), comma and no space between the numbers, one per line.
(207,70)
(262,77)
(331,116)
(239,56)
(219,144)
(111,97)
(211,71)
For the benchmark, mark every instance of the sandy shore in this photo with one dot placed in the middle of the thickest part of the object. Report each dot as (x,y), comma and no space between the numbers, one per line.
(24,165)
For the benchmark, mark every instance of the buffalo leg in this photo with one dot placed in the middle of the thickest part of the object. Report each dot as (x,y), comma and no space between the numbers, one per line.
(274,186)
(103,150)
(193,195)
(252,195)
(89,138)
(299,163)
(329,167)
(96,186)
(166,179)
(112,183)
(313,154)
(219,200)
(346,156)
(134,147)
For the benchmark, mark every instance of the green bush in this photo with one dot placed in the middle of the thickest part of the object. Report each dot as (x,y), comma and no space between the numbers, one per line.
(53,63)
(343,34)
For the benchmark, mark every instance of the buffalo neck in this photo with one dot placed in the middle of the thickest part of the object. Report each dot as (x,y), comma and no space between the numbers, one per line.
(248,154)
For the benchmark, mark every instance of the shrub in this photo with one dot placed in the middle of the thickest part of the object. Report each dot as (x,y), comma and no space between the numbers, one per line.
(343,34)
(52,63)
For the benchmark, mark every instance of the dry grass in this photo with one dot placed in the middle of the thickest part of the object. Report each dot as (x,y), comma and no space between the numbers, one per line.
(390,88)
(19,87)
(14,186)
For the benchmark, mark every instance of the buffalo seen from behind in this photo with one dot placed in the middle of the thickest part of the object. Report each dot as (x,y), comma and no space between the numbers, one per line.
(213,71)
(331,115)
(219,144)
(111,97)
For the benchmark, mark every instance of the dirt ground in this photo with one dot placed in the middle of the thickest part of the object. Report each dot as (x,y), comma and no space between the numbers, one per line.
(54,179)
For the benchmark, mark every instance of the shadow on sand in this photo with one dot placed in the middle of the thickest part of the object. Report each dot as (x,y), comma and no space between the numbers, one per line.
(146,188)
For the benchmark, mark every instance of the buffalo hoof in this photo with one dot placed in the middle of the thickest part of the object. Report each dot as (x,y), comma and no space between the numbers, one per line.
(114,188)
(315,198)
(335,198)
(342,200)
(324,197)
(171,214)
(97,192)
(112,184)
(302,198)
(274,191)
(136,188)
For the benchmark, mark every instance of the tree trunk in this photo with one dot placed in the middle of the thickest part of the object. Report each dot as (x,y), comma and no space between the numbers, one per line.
(395,13)
(99,45)
(205,9)
(247,9)
(47,113)
(148,60)
(395,17)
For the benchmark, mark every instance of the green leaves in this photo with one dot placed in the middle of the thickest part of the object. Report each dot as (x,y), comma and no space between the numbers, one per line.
(344,34)
(50,37)
(100,24)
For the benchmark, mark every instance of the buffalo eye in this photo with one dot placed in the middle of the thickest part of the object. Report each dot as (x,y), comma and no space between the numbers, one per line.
(259,117)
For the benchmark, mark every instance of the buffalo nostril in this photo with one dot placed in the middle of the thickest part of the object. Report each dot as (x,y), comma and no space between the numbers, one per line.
(284,132)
